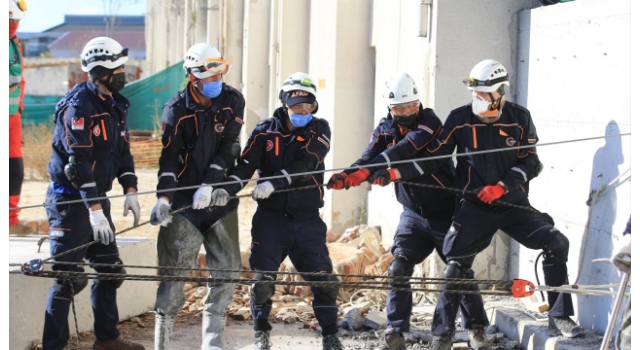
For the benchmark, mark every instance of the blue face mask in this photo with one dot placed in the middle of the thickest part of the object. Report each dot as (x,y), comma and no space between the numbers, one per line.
(211,89)
(300,120)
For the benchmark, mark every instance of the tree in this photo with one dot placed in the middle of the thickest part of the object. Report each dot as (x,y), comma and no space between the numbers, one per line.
(111,9)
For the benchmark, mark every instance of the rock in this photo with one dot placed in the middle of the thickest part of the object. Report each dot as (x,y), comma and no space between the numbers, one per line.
(460,346)
(289,319)
(201,292)
(134,319)
(423,336)
(187,287)
(375,320)
(512,345)
(242,314)
(492,329)
(354,318)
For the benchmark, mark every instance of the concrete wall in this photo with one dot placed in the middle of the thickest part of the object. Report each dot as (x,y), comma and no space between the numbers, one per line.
(28,295)
(574,65)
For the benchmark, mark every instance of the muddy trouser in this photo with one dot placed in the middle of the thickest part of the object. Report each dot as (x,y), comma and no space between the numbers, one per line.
(276,235)
(415,239)
(623,340)
(178,246)
(69,227)
(474,225)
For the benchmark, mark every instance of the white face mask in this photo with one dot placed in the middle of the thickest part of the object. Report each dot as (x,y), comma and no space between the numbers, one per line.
(480,105)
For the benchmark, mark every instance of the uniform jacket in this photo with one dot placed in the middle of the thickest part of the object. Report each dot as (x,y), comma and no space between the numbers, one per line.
(464,132)
(16,76)
(92,127)
(198,141)
(275,151)
(390,142)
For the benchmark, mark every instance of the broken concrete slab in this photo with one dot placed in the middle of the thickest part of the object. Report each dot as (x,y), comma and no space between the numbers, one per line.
(375,320)
(533,334)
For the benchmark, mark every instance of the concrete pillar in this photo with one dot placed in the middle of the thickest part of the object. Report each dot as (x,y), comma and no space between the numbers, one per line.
(290,43)
(213,23)
(202,16)
(231,33)
(340,29)
(255,57)
(189,24)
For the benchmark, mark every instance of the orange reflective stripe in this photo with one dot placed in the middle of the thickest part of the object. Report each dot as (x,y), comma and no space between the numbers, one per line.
(475,139)
(104,130)
(277,145)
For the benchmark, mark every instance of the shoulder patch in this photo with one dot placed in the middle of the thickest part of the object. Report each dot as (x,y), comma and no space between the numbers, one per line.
(425,128)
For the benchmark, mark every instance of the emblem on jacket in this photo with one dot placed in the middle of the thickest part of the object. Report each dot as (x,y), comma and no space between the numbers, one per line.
(77,124)
(96,130)
(269,145)
(219,128)
(510,141)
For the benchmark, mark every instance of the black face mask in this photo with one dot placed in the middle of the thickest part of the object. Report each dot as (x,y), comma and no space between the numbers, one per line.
(405,121)
(117,82)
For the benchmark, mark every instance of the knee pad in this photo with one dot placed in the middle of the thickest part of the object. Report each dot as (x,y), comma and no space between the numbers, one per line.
(329,292)
(400,267)
(76,284)
(455,270)
(557,249)
(261,292)
(111,283)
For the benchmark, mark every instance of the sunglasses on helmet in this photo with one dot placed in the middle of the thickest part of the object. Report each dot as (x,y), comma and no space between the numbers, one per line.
(471,82)
(105,57)
(304,82)
(213,65)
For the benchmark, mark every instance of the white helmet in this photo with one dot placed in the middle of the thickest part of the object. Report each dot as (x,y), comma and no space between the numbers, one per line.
(105,52)
(203,61)
(17,9)
(400,89)
(297,82)
(487,76)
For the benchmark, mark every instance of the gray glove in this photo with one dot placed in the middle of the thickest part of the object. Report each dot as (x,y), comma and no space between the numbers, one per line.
(160,213)
(131,203)
(101,229)
(219,197)
(263,190)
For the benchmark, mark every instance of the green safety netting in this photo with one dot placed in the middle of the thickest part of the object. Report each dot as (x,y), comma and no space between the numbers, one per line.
(147,96)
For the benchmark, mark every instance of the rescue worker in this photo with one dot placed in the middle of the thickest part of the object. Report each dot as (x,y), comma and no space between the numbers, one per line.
(290,143)
(621,259)
(404,134)
(490,122)
(200,142)
(17,9)
(90,149)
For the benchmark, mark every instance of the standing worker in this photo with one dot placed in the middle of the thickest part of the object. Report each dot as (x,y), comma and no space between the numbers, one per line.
(290,143)
(491,123)
(17,10)
(404,134)
(200,128)
(90,149)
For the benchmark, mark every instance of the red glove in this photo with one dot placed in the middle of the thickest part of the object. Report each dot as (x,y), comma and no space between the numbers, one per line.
(336,182)
(384,177)
(355,179)
(488,194)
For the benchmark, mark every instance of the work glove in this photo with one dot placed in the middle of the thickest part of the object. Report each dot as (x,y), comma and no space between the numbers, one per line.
(219,197)
(355,179)
(101,229)
(336,182)
(621,258)
(160,213)
(488,194)
(384,177)
(263,190)
(131,204)
(202,197)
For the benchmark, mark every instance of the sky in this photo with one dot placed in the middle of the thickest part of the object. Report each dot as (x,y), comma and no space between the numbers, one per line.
(44,14)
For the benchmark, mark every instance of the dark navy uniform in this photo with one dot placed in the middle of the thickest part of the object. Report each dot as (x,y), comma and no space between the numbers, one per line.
(91,128)
(288,223)
(198,143)
(475,222)
(427,211)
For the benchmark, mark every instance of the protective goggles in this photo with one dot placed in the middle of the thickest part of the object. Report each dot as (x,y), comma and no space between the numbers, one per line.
(405,109)
(304,82)
(302,108)
(471,82)
(105,57)
(214,66)
(22,5)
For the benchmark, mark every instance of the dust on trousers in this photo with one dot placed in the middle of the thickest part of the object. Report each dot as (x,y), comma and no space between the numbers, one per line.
(474,226)
(276,235)
(178,246)
(415,239)
(70,228)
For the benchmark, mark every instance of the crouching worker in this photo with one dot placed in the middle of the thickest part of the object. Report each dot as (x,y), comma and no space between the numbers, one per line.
(289,145)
